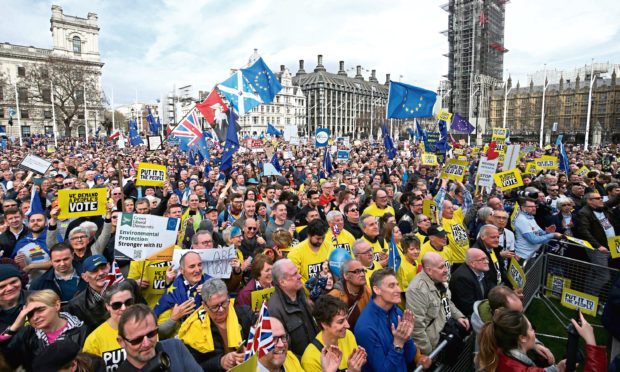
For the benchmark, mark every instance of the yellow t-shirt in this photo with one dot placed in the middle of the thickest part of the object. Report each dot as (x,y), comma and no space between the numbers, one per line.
(458,239)
(102,342)
(311,360)
(377,247)
(375,266)
(155,273)
(406,272)
(445,253)
(309,263)
(378,212)
(344,240)
(291,364)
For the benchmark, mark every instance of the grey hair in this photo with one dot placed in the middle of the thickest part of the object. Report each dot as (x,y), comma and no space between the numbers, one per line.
(212,287)
(115,288)
(531,189)
(345,267)
(331,215)
(484,213)
(483,229)
(199,232)
(563,200)
(277,270)
(78,230)
(363,217)
(182,260)
(356,244)
(226,234)
(90,226)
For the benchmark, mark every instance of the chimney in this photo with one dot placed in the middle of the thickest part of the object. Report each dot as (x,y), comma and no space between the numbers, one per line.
(341,71)
(359,73)
(387,79)
(373,76)
(301,70)
(319,65)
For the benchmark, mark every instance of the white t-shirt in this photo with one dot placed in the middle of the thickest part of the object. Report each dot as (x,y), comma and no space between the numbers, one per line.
(609,229)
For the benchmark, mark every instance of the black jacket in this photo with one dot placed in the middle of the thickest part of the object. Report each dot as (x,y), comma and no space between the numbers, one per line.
(353,228)
(296,318)
(589,227)
(29,342)
(466,289)
(8,241)
(491,276)
(48,281)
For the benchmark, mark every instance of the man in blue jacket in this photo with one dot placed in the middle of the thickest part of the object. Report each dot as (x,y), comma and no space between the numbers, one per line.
(384,330)
(64,276)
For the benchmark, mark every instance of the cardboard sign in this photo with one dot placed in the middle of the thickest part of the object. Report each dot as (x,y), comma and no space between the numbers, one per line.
(445,116)
(581,242)
(531,168)
(515,213)
(51,148)
(556,284)
(151,174)
(546,162)
(343,155)
(139,236)
(583,171)
(429,159)
(486,170)
(82,203)
(458,152)
(454,170)
(508,180)
(614,246)
(575,299)
(260,296)
(499,136)
(215,261)
(516,276)
(35,164)
(429,208)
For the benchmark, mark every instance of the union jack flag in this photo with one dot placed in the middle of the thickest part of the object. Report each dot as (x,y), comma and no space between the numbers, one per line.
(260,339)
(114,276)
(188,131)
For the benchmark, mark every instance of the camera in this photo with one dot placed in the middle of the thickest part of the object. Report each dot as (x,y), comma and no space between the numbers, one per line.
(525,194)
(161,363)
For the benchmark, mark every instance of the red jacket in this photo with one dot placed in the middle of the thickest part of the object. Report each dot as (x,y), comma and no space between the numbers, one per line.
(596,361)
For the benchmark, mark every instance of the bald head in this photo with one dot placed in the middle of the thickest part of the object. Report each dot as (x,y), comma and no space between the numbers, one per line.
(473,254)
(431,259)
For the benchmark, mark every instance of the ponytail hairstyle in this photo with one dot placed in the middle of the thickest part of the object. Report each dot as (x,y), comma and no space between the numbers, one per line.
(501,333)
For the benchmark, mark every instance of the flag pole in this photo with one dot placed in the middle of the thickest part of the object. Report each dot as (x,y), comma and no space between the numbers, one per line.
(85,115)
(113,130)
(54,114)
(19,116)
(542,114)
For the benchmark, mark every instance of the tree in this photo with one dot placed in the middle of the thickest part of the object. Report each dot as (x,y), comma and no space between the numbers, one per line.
(69,81)
(119,120)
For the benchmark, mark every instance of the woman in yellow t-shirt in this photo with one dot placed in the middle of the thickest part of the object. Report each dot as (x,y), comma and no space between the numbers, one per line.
(331,315)
(102,341)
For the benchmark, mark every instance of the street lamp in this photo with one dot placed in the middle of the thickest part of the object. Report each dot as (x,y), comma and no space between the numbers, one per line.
(542,115)
(471,113)
(585,146)
(506,91)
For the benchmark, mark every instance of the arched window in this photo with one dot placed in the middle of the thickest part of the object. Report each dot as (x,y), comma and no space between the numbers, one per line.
(77,44)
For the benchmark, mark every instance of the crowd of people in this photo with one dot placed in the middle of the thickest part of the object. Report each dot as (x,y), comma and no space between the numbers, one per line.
(366,312)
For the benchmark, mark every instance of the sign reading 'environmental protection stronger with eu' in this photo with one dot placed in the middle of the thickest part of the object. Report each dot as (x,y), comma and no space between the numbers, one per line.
(82,203)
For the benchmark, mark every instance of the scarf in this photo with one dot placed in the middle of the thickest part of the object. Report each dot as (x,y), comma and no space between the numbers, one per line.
(354,310)
(196,330)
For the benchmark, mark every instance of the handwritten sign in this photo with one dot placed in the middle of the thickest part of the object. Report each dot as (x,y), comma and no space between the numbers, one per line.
(35,164)
(614,246)
(429,159)
(556,284)
(509,179)
(81,203)
(516,276)
(454,170)
(151,174)
(486,170)
(546,162)
(260,296)
(215,261)
(574,299)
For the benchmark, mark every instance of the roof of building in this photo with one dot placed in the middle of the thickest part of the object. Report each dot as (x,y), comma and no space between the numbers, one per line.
(336,81)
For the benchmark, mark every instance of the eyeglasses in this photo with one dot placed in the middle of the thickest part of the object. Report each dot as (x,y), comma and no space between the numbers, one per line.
(222,305)
(554,190)
(370,251)
(595,198)
(117,305)
(116,193)
(284,338)
(501,217)
(79,237)
(484,259)
(353,210)
(138,340)
(357,271)
(425,220)
(251,228)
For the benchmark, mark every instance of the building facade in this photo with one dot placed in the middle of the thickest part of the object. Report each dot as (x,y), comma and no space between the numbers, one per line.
(348,106)
(566,103)
(75,43)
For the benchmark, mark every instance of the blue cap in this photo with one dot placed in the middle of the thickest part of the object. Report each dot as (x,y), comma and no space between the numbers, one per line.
(252,181)
(93,261)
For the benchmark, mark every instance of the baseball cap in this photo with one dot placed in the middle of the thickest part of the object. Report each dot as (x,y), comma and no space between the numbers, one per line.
(55,356)
(252,181)
(93,261)
(437,230)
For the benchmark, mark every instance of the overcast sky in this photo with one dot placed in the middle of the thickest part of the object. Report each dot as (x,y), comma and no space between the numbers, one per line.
(154,45)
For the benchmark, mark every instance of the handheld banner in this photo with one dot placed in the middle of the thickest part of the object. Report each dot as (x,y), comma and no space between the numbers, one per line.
(516,211)
(343,155)
(445,116)
(499,136)
(511,159)
(546,162)
(260,296)
(583,171)
(151,174)
(429,208)
(431,140)
(215,262)
(581,242)
(516,276)
(614,246)
(556,284)
(321,137)
(139,236)
(454,170)
(458,152)
(531,168)
(35,164)
(429,159)
(486,170)
(575,299)
(82,203)
(508,180)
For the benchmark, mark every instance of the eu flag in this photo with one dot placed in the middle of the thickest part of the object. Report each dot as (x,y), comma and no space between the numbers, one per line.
(461,124)
(326,167)
(420,131)
(272,130)
(275,162)
(151,120)
(394,255)
(406,101)
(134,137)
(563,159)
(390,151)
(232,144)
(262,80)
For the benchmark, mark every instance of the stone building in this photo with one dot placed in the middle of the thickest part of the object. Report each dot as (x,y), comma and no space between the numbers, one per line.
(75,48)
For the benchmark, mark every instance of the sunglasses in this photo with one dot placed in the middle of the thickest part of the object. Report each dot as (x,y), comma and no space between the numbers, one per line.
(117,305)
(138,340)
(353,210)
(251,228)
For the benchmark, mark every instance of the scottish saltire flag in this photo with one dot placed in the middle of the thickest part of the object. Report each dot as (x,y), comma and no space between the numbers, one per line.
(390,151)
(188,131)
(231,146)
(563,160)
(406,101)
(260,339)
(272,130)
(461,124)
(114,276)
(134,136)
(274,161)
(262,80)
(240,93)
(394,255)
(326,166)
(420,131)
(35,203)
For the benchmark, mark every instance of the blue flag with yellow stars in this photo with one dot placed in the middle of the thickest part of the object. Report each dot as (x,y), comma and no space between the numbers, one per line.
(461,124)
(406,101)
(262,80)
(232,143)
(275,162)
(390,151)
(179,292)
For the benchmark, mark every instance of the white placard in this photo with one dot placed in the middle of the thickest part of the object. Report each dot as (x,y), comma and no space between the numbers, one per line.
(215,261)
(512,157)
(486,170)
(141,235)
(35,164)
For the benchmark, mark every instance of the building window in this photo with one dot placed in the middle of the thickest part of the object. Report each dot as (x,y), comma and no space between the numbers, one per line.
(1,112)
(25,131)
(1,94)
(21,71)
(49,130)
(47,114)
(22,93)
(24,114)
(567,110)
(79,97)
(46,95)
(566,124)
(569,99)
(81,115)
(77,44)
(602,108)
(602,97)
